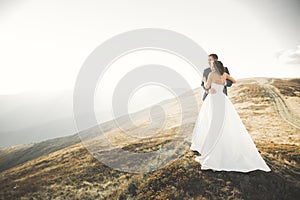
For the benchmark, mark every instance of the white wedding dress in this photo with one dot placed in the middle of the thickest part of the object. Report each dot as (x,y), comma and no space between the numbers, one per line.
(221,138)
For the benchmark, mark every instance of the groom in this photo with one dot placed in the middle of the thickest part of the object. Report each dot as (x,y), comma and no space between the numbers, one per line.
(211,58)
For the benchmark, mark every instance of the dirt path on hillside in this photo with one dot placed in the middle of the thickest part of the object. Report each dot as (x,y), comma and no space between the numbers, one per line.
(281,106)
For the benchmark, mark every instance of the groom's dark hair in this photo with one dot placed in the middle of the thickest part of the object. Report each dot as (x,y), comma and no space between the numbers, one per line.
(214,56)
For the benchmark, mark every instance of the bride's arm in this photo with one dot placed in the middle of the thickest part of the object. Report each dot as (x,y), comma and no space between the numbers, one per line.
(227,76)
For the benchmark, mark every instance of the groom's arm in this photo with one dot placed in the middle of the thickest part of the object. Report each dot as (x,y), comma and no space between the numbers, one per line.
(205,74)
(228,82)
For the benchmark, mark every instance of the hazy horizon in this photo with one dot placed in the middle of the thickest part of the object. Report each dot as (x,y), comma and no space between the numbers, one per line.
(34,91)
(21,121)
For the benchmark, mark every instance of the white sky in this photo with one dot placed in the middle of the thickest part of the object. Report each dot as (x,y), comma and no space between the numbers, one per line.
(44,43)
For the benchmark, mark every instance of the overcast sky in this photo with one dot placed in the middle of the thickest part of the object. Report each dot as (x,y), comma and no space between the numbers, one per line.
(44,43)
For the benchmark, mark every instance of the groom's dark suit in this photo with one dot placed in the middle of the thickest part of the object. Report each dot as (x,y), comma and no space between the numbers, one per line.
(206,73)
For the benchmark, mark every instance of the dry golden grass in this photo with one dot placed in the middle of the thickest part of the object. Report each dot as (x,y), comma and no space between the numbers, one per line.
(73,173)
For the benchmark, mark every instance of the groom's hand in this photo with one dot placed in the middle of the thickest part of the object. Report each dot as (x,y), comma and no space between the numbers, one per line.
(212,91)
(202,84)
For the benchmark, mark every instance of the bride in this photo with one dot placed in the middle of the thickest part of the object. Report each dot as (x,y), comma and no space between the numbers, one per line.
(219,134)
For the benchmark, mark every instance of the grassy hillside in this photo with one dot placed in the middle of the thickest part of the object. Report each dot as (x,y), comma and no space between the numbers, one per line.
(71,172)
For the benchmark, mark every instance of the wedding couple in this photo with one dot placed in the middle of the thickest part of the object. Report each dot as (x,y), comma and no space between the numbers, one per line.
(219,135)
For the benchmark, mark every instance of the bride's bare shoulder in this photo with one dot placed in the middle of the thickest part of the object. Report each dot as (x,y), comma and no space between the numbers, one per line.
(213,73)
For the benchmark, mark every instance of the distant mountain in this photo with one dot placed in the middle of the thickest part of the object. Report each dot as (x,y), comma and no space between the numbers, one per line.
(14,155)
(37,116)
(32,117)
(30,109)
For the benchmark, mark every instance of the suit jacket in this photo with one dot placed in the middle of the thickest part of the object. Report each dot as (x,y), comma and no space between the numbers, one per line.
(206,73)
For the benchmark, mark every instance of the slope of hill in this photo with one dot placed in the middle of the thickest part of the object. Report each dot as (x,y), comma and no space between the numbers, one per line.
(14,155)
(71,172)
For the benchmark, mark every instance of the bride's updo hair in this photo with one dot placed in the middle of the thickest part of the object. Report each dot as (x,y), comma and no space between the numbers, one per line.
(218,65)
